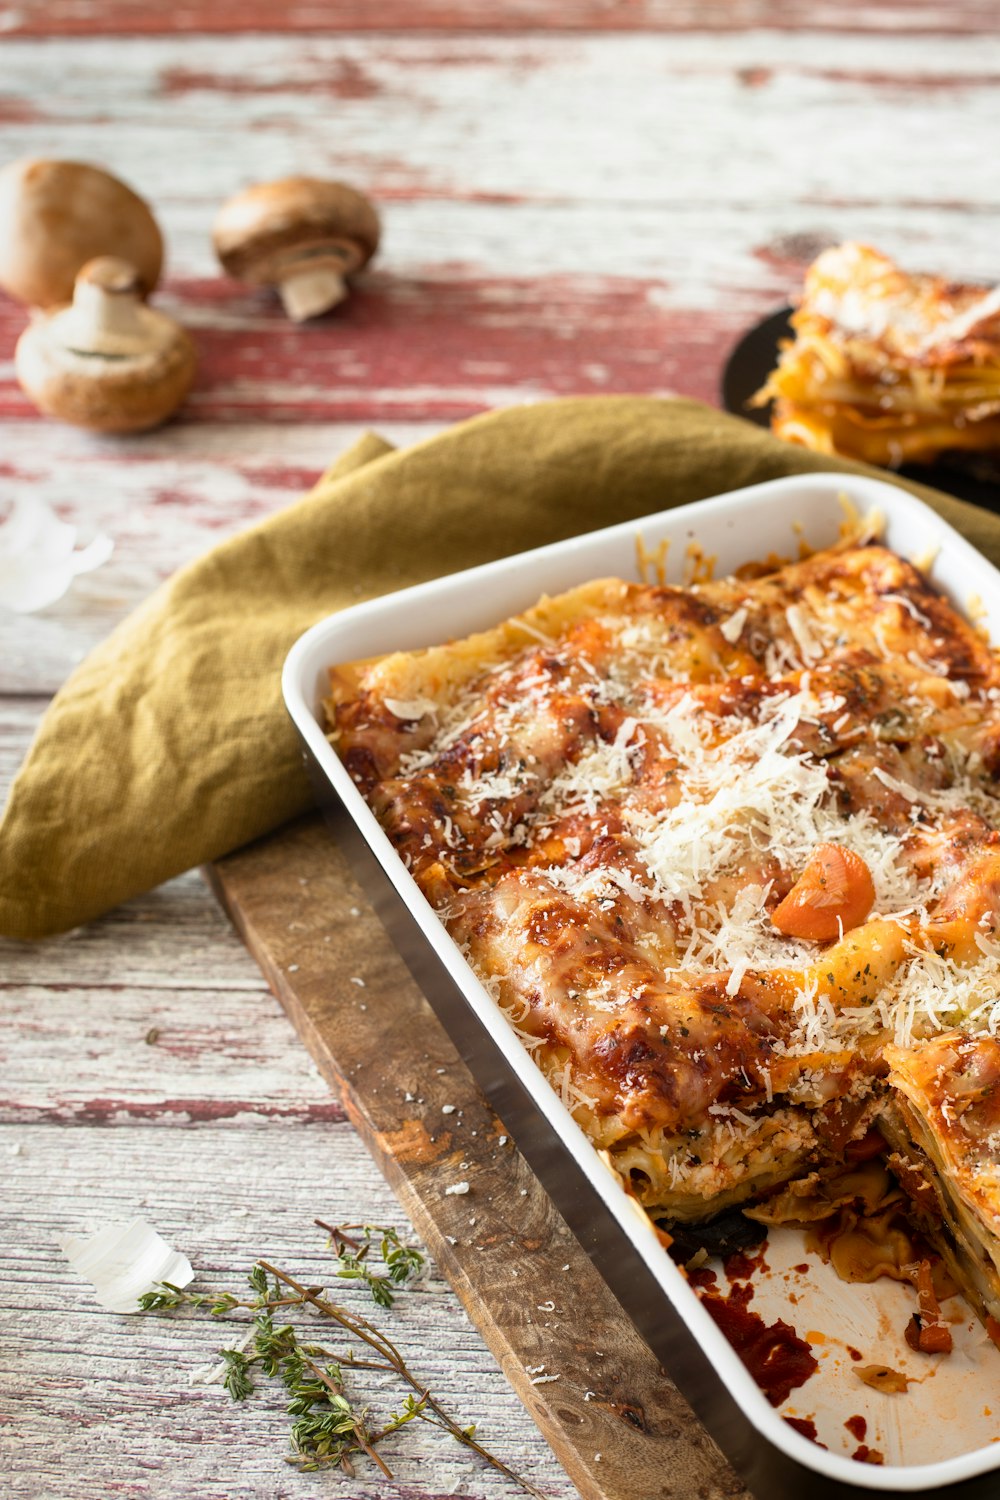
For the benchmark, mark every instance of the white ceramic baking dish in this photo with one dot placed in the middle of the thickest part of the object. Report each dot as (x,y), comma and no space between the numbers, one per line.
(941,1435)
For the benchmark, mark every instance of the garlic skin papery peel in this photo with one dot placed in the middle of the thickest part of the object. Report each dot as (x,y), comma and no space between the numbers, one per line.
(39,557)
(123,1261)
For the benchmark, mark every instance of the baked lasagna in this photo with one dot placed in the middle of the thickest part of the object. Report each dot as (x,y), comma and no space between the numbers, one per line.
(726,856)
(887,366)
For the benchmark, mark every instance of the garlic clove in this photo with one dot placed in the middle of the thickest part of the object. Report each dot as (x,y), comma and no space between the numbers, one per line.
(39,558)
(123,1261)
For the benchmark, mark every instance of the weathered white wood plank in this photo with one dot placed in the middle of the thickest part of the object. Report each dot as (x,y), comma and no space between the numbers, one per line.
(613,259)
(177,1024)
(142,937)
(98,1405)
(190,119)
(170,1056)
(164,499)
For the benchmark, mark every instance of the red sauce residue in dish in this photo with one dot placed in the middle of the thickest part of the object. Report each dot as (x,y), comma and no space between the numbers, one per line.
(807,1427)
(773,1352)
(857,1427)
(803,1269)
(702,1276)
(854,1353)
(740,1267)
(866,1455)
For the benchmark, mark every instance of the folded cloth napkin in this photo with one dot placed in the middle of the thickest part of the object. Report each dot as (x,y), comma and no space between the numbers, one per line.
(169,745)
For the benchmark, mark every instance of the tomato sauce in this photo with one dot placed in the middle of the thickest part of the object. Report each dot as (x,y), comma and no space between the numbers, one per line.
(740,1267)
(776,1357)
(807,1427)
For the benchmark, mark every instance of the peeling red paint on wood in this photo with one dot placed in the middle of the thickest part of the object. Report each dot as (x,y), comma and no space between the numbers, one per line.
(215,17)
(348,78)
(19,112)
(345,78)
(924,82)
(444,349)
(175,1113)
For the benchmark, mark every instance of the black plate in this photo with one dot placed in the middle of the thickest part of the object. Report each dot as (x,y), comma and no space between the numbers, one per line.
(755,356)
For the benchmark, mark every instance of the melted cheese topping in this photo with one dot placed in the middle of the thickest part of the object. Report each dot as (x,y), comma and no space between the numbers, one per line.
(607,798)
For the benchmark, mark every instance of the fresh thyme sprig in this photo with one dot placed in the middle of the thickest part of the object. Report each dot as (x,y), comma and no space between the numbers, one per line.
(329,1428)
(402,1262)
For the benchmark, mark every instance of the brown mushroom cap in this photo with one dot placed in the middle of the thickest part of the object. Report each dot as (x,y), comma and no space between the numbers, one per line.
(107,362)
(57,215)
(260,231)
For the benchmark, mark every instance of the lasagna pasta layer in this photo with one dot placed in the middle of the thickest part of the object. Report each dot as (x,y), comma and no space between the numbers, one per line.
(943,1118)
(886,366)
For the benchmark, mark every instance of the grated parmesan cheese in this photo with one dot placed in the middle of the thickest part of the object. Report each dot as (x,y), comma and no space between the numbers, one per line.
(410,708)
(732,628)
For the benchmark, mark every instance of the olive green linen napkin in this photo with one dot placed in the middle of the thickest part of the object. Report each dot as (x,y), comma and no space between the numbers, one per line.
(170,745)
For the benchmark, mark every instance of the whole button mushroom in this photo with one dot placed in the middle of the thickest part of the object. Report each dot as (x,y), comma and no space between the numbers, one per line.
(300,234)
(57,215)
(106,362)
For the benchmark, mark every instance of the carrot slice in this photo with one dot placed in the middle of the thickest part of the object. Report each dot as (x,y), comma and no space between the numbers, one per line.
(834,892)
(935,1335)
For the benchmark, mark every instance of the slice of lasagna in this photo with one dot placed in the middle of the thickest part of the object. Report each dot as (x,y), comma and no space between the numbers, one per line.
(942,1120)
(887,366)
(727,858)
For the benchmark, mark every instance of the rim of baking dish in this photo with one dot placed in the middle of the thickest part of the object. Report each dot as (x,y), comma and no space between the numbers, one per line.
(299,680)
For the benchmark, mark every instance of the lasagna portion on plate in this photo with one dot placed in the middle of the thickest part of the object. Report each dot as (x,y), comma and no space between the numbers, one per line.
(887,366)
(727,857)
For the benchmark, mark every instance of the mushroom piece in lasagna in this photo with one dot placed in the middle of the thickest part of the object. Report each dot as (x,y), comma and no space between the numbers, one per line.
(727,858)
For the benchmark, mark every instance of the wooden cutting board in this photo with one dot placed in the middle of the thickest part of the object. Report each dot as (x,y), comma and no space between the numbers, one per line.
(615,1421)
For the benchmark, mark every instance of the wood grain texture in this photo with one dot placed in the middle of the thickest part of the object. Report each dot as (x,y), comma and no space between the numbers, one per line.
(426,349)
(97,1406)
(618,1425)
(121,17)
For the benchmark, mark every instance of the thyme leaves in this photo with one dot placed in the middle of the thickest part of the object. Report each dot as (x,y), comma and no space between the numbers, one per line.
(330,1426)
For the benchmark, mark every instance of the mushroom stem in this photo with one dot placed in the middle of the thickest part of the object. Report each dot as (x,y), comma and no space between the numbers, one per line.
(307,293)
(299,234)
(107,361)
(105,318)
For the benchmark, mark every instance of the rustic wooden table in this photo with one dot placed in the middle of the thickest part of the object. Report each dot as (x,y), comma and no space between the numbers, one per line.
(578,197)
